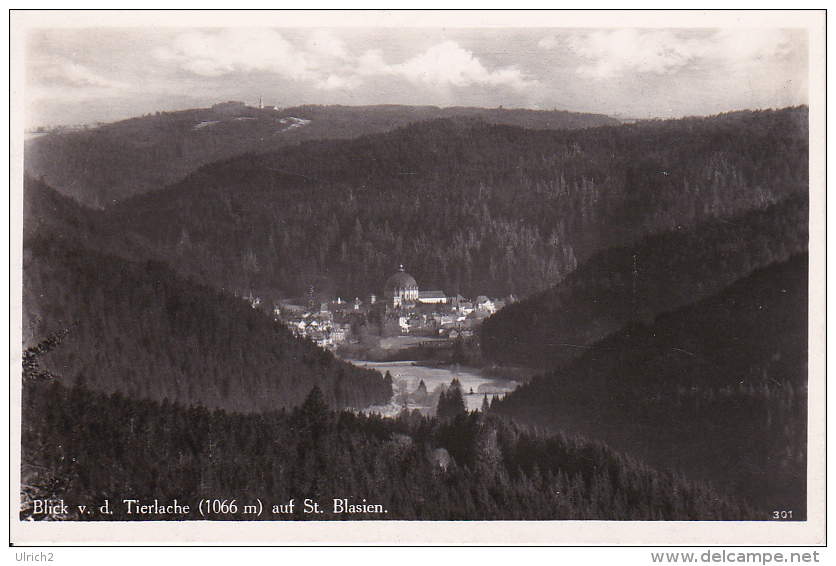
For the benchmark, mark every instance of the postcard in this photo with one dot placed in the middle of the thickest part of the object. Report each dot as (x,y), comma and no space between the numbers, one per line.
(417,277)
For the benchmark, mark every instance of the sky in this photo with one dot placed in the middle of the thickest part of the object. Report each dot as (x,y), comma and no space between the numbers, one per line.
(77,75)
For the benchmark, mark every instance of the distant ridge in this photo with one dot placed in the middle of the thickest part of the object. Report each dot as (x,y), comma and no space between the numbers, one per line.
(105,164)
(479,209)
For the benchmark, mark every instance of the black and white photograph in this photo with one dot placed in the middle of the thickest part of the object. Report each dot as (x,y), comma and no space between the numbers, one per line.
(396,273)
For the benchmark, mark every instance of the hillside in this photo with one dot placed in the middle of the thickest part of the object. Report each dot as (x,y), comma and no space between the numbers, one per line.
(141,330)
(635,283)
(85,448)
(716,389)
(105,164)
(138,328)
(468,207)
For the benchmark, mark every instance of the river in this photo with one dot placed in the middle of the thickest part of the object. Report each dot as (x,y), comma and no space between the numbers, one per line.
(406,377)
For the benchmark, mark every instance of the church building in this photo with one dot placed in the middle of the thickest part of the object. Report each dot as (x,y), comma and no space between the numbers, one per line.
(401,290)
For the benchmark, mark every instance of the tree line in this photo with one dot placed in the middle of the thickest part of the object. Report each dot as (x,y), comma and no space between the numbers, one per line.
(85,447)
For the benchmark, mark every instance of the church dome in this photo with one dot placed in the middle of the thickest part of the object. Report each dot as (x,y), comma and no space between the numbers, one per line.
(400,280)
(401,288)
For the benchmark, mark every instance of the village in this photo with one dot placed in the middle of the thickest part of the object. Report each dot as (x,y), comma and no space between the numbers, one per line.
(403,316)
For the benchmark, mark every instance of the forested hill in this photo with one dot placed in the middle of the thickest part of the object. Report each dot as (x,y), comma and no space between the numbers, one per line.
(468,207)
(635,283)
(138,328)
(717,389)
(101,165)
(84,447)
(45,211)
(141,330)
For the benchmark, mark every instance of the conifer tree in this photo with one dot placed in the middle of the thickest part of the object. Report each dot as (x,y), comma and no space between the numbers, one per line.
(451,403)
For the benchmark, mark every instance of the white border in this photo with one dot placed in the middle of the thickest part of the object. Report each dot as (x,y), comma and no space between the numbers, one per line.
(810,532)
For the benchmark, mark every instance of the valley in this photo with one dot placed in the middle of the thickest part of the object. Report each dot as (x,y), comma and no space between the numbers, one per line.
(407,378)
(611,321)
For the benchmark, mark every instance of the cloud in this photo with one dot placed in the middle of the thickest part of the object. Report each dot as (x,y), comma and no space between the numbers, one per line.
(83,76)
(68,74)
(610,53)
(449,63)
(372,63)
(325,44)
(212,54)
(444,64)
(326,62)
(338,82)
(65,80)
(750,45)
(549,42)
